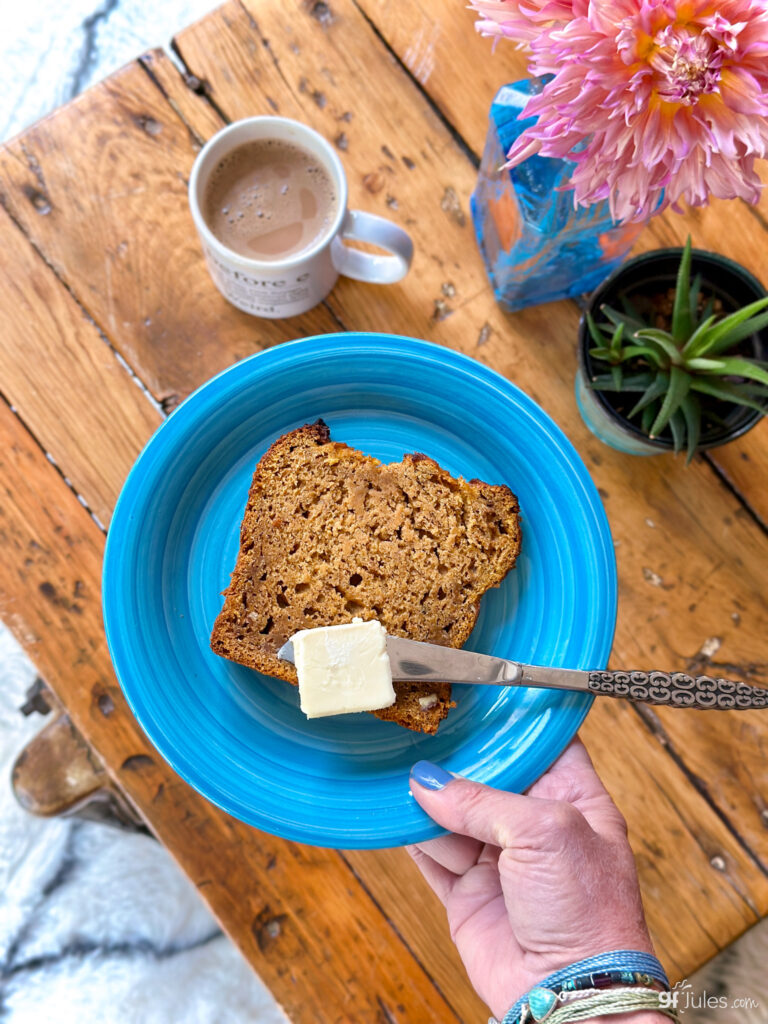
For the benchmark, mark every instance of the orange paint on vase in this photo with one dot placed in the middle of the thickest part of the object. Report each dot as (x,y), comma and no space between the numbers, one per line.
(506,218)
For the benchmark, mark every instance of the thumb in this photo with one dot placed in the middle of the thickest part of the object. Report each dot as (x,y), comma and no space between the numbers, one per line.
(492,815)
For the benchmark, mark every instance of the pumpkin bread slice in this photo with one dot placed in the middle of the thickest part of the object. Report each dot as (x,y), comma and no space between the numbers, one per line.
(330,533)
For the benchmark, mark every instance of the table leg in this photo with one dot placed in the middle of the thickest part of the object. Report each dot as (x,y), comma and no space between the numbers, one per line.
(57,773)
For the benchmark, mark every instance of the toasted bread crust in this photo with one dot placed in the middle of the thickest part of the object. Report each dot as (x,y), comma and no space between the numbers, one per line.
(330,533)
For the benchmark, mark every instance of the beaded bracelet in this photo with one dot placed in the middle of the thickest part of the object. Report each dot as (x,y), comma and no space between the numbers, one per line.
(611,1001)
(618,967)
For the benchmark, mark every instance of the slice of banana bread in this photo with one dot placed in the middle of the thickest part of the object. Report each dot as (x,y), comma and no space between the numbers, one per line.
(330,534)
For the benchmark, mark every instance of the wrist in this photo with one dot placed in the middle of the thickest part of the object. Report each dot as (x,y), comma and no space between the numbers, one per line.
(636,940)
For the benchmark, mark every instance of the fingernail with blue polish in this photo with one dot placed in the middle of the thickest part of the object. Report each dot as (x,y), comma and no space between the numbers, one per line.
(430,776)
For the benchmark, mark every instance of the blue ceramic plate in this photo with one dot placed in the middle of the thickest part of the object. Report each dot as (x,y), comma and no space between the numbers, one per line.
(239,737)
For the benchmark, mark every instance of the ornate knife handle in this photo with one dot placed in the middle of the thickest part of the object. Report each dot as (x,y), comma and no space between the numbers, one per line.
(679,690)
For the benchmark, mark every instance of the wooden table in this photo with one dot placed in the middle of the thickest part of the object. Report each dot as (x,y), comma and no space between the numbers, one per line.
(110,319)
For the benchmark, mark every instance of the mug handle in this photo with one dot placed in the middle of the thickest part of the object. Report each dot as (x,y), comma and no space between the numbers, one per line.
(364,266)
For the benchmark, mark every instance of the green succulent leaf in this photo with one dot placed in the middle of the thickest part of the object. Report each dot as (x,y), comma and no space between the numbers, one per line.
(682,324)
(734,366)
(699,337)
(753,390)
(596,334)
(642,352)
(638,381)
(602,382)
(633,382)
(649,415)
(677,428)
(714,365)
(601,353)
(663,340)
(690,407)
(631,322)
(616,340)
(617,376)
(726,393)
(679,386)
(735,328)
(655,389)
(708,308)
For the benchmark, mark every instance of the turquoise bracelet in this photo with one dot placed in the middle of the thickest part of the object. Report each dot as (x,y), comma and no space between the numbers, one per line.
(601,1004)
(623,967)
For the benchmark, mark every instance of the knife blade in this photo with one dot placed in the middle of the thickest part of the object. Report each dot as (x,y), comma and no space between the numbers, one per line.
(431,663)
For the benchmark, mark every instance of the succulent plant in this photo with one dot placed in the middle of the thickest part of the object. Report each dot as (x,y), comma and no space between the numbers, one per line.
(674,370)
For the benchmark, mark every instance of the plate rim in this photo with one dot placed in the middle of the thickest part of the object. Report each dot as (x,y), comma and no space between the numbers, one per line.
(451,358)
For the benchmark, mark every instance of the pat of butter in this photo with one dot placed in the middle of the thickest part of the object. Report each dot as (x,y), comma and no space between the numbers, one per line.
(343,669)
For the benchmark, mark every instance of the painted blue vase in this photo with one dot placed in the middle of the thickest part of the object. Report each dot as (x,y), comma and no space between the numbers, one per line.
(536,245)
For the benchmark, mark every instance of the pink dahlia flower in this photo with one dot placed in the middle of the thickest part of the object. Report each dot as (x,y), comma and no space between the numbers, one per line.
(656,101)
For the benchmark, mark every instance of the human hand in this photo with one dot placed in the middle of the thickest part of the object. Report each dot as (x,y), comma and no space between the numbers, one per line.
(531,883)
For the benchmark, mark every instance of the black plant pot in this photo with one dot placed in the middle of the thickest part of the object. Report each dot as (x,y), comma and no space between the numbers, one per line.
(651,274)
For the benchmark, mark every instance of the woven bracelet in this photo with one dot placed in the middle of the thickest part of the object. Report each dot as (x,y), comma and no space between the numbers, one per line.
(604,971)
(601,1004)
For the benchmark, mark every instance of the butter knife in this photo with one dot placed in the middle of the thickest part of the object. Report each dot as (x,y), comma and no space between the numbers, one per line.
(430,663)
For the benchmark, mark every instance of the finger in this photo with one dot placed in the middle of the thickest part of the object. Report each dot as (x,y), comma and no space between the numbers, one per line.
(490,815)
(572,771)
(490,855)
(457,853)
(573,778)
(440,880)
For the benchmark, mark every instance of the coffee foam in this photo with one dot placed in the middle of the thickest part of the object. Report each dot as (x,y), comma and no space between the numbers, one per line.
(269,199)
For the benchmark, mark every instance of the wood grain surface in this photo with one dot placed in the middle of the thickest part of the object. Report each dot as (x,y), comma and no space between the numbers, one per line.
(47,339)
(111,217)
(101,261)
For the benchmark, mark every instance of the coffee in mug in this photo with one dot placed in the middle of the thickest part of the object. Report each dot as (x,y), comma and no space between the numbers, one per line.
(269,200)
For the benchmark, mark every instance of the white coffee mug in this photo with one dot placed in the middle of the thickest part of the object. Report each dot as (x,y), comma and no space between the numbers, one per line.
(291,285)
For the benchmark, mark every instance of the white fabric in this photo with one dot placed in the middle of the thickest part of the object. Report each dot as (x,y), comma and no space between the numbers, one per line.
(99,926)
(734,983)
(52,50)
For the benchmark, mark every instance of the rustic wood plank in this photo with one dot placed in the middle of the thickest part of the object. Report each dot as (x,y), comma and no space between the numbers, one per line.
(46,340)
(461,72)
(744,464)
(297,913)
(675,846)
(185,95)
(111,217)
(396,884)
